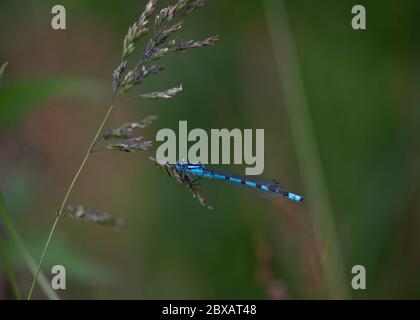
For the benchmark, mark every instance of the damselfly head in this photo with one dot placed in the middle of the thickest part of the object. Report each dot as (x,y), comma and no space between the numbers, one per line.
(181,167)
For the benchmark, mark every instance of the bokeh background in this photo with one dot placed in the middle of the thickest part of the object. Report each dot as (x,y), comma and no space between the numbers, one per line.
(340,109)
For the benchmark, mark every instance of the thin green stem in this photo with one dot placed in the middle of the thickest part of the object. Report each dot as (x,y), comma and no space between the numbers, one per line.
(17,239)
(306,147)
(63,204)
(3,250)
(4,257)
(21,247)
(2,68)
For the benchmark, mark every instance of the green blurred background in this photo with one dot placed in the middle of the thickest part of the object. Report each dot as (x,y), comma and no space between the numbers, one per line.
(362,98)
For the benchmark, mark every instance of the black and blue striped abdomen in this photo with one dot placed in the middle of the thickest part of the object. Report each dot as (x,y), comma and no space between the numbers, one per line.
(269,187)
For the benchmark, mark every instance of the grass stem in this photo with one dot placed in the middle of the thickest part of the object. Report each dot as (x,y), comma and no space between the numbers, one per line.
(305,142)
(4,258)
(67,195)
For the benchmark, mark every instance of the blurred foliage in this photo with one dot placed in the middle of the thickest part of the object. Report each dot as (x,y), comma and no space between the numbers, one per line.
(22,96)
(21,190)
(363,94)
(2,68)
(79,266)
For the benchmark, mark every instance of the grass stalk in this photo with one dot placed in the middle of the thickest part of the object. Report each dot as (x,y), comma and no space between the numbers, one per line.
(166,24)
(64,202)
(21,247)
(4,258)
(306,148)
